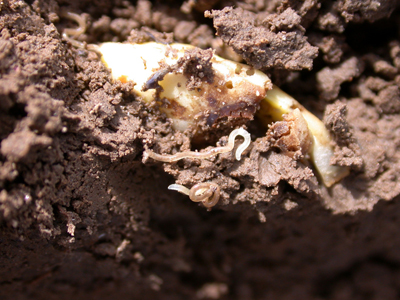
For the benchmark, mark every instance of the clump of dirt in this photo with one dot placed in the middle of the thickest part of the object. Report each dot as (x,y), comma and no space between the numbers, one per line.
(82,216)
(347,149)
(261,45)
(197,68)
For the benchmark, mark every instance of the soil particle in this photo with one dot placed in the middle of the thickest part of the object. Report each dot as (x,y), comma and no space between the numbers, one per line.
(285,21)
(261,47)
(395,53)
(197,67)
(360,11)
(183,29)
(332,47)
(143,12)
(384,94)
(330,20)
(347,150)
(17,145)
(380,66)
(330,79)
(307,10)
(336,15)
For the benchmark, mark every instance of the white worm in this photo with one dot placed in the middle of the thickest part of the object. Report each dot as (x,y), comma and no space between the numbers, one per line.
(179,188)
(209,153)
(78,19)
(247,139)
(206,192)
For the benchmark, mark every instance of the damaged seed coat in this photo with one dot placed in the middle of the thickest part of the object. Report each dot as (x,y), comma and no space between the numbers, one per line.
(189,88)
(193,87)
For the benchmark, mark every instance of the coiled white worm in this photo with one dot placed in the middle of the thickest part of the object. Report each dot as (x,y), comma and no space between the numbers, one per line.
(208,153)
(206,192)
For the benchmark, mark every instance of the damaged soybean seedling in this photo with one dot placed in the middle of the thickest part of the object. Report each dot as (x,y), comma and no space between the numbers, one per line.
(233,84)
(201,91)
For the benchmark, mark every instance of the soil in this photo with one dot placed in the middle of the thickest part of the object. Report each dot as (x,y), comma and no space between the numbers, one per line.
(81,215)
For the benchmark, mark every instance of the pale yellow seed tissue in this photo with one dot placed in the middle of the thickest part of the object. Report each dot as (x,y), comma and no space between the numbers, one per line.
(139,62)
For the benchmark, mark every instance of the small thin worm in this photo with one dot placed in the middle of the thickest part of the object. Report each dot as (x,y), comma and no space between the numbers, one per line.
(206,192)
(74,32)
(78,19)
(209,153)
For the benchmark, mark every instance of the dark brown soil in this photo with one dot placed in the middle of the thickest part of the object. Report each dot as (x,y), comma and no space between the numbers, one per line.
(82,216)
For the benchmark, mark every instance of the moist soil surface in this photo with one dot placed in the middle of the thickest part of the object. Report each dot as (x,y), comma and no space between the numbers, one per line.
(83,215)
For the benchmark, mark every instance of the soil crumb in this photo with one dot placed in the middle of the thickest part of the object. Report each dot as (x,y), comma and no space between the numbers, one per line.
(261,45)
